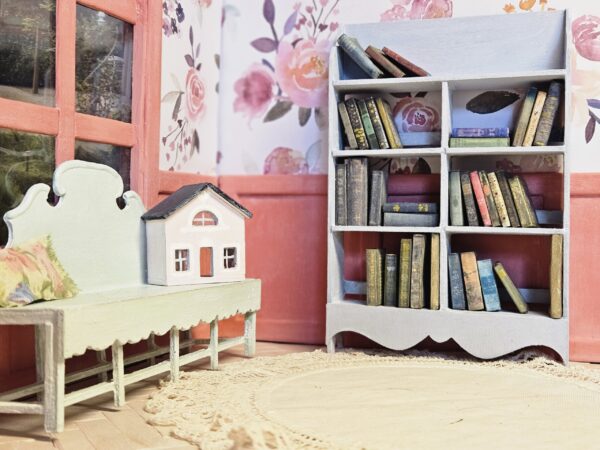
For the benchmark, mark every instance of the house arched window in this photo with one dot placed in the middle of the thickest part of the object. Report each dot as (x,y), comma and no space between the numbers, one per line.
(204,219)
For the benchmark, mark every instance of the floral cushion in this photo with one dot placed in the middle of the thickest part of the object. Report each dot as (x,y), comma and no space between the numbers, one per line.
(32,272)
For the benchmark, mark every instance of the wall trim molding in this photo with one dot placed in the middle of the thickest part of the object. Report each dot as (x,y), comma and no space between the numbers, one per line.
(585,184)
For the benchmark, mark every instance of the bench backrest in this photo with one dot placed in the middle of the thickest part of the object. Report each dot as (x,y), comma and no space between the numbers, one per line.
(100,245)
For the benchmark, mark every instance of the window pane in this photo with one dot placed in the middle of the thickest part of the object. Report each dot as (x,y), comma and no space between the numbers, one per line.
(119,158)
(27,50)
(25,159)
(103,64)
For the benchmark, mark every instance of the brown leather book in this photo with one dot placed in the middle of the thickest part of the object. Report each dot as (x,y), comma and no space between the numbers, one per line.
(380,60)
(472,283)
(406,65)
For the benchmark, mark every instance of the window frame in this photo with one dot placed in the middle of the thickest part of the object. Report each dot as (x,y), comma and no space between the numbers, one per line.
(212,217)
(178,260)
(66,125)
(226,257)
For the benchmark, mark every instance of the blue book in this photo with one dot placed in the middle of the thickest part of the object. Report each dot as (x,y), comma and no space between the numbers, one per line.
(457,290)
(488,285)
(502,132)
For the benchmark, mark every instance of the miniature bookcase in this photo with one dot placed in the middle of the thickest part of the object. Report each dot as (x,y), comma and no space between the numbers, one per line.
(465,56)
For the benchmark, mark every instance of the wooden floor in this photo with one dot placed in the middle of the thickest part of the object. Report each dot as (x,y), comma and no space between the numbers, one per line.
(96,424)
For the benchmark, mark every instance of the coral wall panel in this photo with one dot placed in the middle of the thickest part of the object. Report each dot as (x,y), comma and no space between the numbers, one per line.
(584,308)
(285,248)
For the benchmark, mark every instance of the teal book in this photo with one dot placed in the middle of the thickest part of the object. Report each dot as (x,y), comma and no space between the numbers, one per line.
(353,49)
(488,285)
(367,124)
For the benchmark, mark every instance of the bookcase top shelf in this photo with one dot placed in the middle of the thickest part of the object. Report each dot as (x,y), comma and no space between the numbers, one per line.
(459,82)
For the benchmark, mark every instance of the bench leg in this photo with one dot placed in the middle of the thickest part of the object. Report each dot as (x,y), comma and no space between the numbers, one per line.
(118,374)
(54,380)
(174,354)
(214,344)
(250,333)
(39,358)
(101,359)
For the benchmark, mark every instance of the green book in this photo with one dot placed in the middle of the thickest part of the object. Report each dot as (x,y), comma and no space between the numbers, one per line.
(479,142)
(390,283)
(378,196)
(356,123)
(377,123)
(405,271)
(374,277)
(417,268)
(357,191)
(524,115)
(512,290)
(347,126)
(513,216)
(367,124)
(469,199)
(341,203)
(456,204)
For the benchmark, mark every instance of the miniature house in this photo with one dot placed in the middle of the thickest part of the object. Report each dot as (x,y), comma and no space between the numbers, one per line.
(195,236)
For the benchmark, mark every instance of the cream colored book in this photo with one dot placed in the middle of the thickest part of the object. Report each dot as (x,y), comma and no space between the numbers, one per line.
(498,199)
(556,269)
(434,272)
(534,120)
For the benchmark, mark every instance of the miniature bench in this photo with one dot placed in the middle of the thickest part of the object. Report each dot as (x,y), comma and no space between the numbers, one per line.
(102,247)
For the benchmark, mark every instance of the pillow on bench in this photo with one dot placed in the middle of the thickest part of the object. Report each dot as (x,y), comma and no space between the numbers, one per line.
(32,272)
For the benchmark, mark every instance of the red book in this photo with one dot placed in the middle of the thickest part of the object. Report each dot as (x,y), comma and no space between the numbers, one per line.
(478,191)
(404,63)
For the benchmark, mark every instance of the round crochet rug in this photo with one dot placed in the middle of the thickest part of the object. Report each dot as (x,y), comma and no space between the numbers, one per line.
(383,400)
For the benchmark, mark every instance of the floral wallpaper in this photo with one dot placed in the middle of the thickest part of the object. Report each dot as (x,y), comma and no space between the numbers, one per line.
(190,79)
(272,106)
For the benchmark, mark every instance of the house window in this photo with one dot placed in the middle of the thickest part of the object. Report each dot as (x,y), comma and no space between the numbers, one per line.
(230,257)
(182,260)
(205,219)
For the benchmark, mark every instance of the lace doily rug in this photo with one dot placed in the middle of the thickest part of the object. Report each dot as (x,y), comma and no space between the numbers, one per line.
(379,400)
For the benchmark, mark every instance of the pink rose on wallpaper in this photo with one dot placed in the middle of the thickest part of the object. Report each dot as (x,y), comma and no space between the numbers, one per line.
(302,71)
(413,114)
(194,94)
(254,91)
(285,161)
(586,36)
(417,9)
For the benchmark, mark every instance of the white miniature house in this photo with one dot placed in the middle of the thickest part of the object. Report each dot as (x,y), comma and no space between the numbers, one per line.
(196,236)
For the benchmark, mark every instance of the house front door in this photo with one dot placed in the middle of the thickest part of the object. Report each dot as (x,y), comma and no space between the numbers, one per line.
(206,262)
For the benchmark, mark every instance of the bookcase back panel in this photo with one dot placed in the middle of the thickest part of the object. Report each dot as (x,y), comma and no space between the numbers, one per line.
(469,45)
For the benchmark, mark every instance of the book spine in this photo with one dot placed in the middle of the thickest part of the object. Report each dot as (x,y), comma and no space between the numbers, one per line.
(544,127)
(390,287)
(469,199)
(457,291)
(478,191)
(410,220)
(377,124)
(479,142)
(347,126)
(404,63)
(367,124)
(356,122)
(377,197)
(410,207)
(498,199)
(556,275)
(456,207)
(528,202)
(512,290)
(491,297)
(434,273)
(405,271)
(489,199)
(386,66)
(374,277)
(480,132)
(357,54)
(524,115)
(356,191)
(472,285)
(417,300)
(508,200)
(536,112)
(341,211)
(389,126)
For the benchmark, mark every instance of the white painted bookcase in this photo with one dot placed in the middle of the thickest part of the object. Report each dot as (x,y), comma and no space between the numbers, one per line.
(470,53)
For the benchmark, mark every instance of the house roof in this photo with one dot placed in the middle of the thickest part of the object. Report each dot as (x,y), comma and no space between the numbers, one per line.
(186,194)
